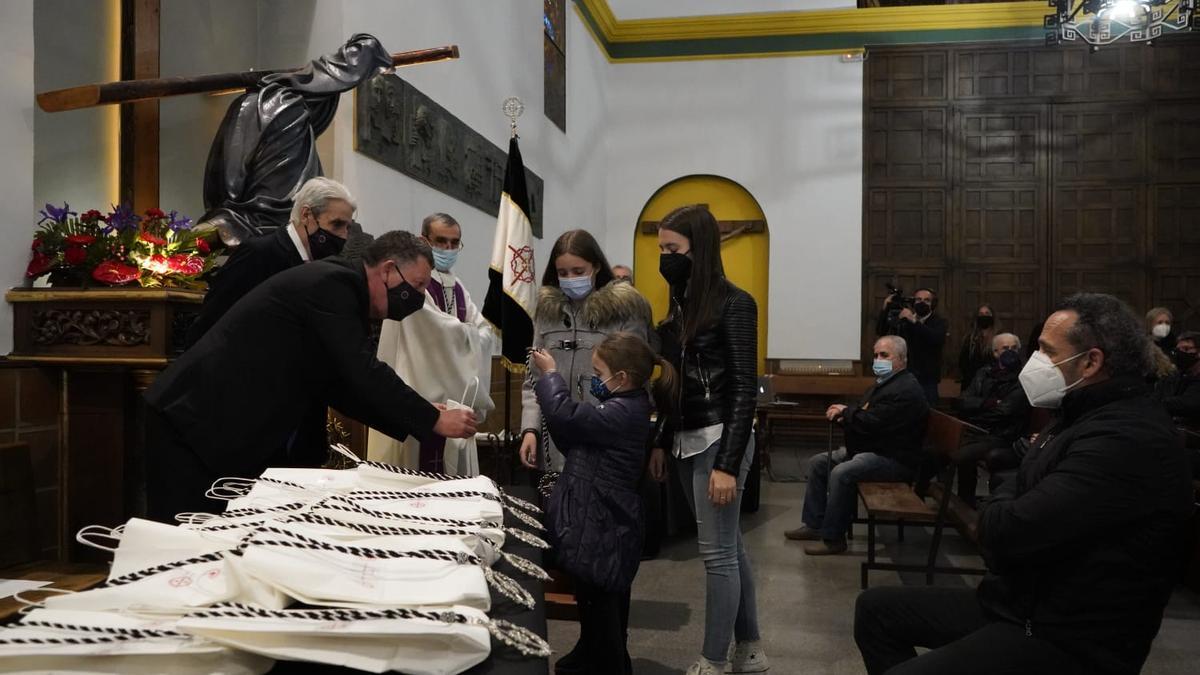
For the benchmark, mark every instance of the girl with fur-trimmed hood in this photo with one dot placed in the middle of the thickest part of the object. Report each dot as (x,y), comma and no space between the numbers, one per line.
(578,306)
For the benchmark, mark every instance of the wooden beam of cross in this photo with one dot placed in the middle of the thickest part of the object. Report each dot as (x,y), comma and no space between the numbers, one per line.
(107,93)
(137,172)
(729,228)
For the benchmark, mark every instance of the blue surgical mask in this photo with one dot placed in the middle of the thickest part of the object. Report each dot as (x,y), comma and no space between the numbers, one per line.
(576,288)
(600,388)
(881,367)
(444,259)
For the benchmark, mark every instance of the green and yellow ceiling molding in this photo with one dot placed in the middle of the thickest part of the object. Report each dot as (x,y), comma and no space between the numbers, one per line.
(832,31)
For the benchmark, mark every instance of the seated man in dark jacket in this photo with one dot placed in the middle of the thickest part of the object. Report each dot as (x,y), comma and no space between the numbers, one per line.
(884,433)
(994,401)
(1180,392)
(1083,547)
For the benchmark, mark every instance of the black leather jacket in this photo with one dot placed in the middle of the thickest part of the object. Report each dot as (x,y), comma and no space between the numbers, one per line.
(718,372)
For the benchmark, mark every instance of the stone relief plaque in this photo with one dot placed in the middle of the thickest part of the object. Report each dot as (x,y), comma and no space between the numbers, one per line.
(397,125)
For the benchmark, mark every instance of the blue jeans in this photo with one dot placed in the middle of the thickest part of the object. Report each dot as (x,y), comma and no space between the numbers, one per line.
(730,607)
(832,515)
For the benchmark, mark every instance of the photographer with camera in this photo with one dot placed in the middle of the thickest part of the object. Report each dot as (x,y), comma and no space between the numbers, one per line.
(913,319)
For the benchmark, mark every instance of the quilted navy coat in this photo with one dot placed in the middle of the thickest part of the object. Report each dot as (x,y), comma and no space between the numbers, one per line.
(595,516)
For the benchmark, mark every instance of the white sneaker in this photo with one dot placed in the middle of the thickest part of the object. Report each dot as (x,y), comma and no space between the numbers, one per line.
(748,657)
(705,667)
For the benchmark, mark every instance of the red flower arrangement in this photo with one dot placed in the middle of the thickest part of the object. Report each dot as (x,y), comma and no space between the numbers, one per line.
(156,249)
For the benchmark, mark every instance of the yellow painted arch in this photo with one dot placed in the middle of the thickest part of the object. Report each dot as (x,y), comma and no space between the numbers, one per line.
(746,257)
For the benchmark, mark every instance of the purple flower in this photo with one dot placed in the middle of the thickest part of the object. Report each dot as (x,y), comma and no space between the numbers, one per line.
(121,218)
(56,215)
(176,223)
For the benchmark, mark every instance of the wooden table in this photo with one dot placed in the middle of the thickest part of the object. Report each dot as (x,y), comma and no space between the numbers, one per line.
(67,576)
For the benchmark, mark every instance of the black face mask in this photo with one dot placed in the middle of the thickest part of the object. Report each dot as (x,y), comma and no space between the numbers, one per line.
(324,243)
(1184,360)
(676,268)
(985,322)
(403,300)
(1009,360)
(922,309)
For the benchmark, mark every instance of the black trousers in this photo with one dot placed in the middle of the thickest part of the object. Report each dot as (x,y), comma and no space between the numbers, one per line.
(890,621)
(176,478)
(967,457)
(603,626)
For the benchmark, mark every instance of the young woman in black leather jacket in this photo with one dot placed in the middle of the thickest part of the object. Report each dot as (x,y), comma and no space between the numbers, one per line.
(711,337)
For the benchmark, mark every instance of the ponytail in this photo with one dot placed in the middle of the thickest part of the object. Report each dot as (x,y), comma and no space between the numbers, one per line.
(665,388)
(627,352)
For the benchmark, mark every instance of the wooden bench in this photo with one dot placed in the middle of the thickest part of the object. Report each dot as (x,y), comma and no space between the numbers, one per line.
(18,556)
(898,503)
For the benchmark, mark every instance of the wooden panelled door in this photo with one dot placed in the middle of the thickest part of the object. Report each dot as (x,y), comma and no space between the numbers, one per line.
(1015,174)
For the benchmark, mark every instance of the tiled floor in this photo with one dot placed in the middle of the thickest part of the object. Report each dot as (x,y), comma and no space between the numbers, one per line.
(806,604)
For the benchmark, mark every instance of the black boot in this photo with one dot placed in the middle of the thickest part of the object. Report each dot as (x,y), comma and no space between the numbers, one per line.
(574,662)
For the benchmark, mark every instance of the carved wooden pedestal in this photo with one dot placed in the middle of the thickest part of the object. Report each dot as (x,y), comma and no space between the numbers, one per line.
(110,344)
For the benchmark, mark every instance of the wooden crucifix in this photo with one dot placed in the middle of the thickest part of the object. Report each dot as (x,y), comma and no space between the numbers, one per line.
(729,228)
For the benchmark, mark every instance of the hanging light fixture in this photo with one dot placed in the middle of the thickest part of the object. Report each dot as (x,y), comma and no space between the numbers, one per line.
(1103,22)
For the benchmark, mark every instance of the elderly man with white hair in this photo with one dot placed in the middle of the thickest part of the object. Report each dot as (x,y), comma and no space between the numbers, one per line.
(322,218)
(884,432)
(994,401)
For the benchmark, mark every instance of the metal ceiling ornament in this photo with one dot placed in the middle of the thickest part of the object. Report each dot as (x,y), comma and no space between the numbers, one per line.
(1104,22)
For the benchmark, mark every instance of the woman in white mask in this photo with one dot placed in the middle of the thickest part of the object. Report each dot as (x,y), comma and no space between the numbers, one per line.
(1161,329)
(578,306)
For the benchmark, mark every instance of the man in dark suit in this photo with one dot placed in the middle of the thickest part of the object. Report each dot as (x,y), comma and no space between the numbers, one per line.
(322,218)
(296,343)
(925,333)
(884,432)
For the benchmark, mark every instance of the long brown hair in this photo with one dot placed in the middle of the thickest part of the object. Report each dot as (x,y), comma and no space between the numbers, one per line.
(706,285)
(579,243)
(627,352)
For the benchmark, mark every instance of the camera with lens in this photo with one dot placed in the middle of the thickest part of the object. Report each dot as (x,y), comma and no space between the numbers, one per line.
(897,303)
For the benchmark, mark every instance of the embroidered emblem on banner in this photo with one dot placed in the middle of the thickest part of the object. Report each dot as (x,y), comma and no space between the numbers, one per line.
(521,265)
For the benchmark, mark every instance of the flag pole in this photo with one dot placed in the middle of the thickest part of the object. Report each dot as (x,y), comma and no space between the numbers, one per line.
(512,108)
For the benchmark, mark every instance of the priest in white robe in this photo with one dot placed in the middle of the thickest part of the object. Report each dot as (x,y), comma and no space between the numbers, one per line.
(444,352)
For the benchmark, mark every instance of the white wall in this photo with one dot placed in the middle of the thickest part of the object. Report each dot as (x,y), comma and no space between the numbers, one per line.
(16,147)
(789,130)
(75,151)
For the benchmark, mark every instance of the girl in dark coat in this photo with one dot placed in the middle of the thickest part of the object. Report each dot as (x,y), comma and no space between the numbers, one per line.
(594,512)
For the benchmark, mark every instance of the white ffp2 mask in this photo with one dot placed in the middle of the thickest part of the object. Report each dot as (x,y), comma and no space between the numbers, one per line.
(1043,382)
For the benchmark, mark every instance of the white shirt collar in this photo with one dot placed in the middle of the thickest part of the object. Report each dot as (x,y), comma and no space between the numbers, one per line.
(291,228)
